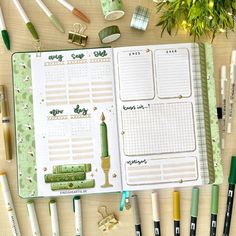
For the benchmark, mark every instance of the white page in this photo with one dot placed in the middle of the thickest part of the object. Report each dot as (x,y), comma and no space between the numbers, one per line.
(136,75)
(173,73)
(79,87)
(166,133)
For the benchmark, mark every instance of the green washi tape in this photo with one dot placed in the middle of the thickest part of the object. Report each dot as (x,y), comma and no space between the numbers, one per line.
(140,18)
(109,34)
(112,9)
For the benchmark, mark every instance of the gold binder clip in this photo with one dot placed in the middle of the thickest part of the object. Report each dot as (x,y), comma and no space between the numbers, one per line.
(77,36)
(109,220)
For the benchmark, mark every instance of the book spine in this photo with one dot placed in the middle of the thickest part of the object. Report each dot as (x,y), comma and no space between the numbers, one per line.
(73,185)
(63,177)
(72,168)
(204,75)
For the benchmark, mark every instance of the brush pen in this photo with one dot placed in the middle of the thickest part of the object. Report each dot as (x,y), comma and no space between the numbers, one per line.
(136,214)
(230,198)
(156,215)
(4,32)
(176,213)
(214,208)
(194,211)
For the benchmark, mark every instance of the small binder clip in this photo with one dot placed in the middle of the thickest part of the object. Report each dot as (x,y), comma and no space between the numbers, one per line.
(109,220)
(77,36)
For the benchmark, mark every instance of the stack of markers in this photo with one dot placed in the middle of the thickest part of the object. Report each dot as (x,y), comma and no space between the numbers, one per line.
(30,25)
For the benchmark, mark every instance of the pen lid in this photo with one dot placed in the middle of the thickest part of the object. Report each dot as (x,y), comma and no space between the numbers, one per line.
(232,175)
(135,206)
(75,199)
(233,57)
(176,206)
(195,200)
(51,202)
(214,199)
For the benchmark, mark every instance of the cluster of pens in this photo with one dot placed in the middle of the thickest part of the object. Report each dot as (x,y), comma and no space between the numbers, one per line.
(32,212)
(29,24)
(194,208)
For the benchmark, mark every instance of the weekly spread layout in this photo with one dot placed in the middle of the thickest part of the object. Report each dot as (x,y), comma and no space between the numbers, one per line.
(107,120)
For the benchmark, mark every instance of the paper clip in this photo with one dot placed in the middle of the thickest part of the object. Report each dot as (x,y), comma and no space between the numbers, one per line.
(109,220)
(77,36)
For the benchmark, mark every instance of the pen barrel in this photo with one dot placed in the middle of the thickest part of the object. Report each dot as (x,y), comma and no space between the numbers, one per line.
(54,219)
(33,219)
(138,230)
(21,11)
(229,208)
(176,228)
(157,228)
(7,140)
(78,217)
(9,206)
(213,225)
(155,207)
(193,226)
(135,207)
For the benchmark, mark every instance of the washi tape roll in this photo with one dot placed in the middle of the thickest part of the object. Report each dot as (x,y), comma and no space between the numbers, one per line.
(112,9)
(140,18)
(109,34)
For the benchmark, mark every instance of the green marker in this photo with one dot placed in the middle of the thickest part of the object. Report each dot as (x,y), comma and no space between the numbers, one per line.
(5,35)
(27,21)
(50,15)
(214,208)
(194,211)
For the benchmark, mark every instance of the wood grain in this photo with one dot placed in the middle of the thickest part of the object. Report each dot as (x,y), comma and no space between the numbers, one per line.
(52,39)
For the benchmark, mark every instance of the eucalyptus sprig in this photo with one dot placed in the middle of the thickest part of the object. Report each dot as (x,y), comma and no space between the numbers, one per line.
(198,17)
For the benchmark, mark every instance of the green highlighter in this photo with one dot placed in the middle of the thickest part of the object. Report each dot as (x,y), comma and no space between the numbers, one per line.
(194,211)
(214,208)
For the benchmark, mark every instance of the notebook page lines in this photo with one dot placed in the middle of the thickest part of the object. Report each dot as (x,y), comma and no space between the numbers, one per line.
(136,75)
(173,73)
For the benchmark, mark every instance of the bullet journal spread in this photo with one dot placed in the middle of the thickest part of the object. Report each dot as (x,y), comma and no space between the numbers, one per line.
(107,120)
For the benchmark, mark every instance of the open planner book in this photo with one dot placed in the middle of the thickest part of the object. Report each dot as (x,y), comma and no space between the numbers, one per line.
(106,120)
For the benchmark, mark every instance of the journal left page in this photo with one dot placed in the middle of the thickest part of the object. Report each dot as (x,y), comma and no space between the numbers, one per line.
(66,127)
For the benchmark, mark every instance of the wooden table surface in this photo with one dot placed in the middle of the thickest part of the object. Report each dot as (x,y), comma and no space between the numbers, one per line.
(51,39)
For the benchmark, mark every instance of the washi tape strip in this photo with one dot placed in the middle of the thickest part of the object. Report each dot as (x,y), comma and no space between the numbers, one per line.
(140,18)
(112,9)
(109,34)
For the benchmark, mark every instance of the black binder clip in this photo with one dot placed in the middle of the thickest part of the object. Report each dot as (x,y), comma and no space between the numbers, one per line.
(77,36)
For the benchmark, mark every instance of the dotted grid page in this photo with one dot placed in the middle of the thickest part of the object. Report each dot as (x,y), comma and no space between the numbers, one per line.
(158,129)
(136,75)
(173,73)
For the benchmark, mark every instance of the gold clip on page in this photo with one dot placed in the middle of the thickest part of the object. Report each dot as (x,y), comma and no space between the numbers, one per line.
(77,36)
(108,220)
(5,123)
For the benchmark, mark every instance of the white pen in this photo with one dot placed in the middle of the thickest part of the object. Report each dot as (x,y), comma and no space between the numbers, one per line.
(33,218)
(223,79)
(50,15)
(78,215)
(9,205)
(54,218)
(156,214)
(231,95)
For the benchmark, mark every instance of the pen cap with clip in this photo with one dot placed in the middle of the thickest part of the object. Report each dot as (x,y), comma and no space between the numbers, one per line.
(232,175)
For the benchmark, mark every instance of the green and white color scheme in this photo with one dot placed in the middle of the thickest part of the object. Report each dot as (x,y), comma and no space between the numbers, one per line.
(112,9)
(161,132)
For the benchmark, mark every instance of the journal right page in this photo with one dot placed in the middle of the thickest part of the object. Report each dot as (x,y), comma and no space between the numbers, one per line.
(160,116)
